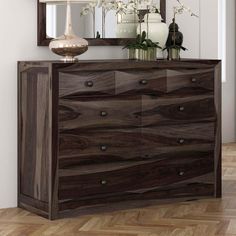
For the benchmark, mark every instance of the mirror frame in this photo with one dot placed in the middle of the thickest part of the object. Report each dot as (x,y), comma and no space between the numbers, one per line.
(42,39)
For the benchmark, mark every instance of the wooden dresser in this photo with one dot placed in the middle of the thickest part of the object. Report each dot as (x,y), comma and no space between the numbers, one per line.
(99,135)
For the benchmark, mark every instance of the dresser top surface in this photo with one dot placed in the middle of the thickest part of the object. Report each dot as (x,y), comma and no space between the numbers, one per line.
(121,64)
(204,61)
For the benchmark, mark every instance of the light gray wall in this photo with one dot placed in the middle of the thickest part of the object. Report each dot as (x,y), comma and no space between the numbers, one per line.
(228,92)
(18,24)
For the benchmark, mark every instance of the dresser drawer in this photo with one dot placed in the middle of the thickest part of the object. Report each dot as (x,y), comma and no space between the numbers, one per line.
(198,79)
(100,113)
(134,111)
(163,140)
(175,110)
(98,146)
(93,182)
(165,81)
(86,83)
(130,82)
(104,146)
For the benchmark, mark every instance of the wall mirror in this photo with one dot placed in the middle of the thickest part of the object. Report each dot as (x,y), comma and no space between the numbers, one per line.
(99,26)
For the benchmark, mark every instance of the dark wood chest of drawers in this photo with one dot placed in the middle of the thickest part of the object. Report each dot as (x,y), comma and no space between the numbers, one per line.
(105,134)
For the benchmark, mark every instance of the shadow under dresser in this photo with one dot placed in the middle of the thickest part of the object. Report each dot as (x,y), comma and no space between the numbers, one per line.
(97,134)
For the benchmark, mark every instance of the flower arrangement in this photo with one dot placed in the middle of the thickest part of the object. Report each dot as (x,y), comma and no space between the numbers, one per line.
(89,8)
(119,6)
(178,10)
(107,5)
(140,48)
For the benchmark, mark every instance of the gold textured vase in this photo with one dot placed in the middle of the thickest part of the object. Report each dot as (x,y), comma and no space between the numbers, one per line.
(146,55)
(173,54)
(69,45)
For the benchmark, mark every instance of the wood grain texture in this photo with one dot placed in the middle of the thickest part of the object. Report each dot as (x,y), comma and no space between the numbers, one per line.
(135,82)
(102,113)
(190,109)
(214,217)
(218,136)
(118,131)
(136,111)
(34,119)
(108,65)
(71,84)
(53,174)
(139,178)
(111,145)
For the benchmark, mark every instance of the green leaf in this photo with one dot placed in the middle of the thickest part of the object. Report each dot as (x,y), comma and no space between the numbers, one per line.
(175,47)
(142,43)
(144,35)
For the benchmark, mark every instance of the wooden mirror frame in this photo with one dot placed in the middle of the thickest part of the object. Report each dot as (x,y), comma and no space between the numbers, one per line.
(44,41)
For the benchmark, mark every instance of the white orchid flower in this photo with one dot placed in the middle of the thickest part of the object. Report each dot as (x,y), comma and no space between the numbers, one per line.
(178,10)
(89,8)
(92,4)
(153,9)
(121,8)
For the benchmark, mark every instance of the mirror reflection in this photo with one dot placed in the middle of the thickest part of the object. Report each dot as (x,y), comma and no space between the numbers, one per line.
(105,19)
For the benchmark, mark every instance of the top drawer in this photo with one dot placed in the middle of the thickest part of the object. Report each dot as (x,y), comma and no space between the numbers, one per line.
(154,81)
(197,79)
(111,82)
(164,81)
(73,84)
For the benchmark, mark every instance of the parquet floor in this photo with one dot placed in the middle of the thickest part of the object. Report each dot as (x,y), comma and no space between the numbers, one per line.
(211,217)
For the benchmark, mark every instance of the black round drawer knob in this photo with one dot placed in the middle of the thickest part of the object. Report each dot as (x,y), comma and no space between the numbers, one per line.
(103,113)
(103,182)
(181,141)
(146,156)
(103,148)
(89,83)
(194,80)
(181,173)
(143,82)
(181,108)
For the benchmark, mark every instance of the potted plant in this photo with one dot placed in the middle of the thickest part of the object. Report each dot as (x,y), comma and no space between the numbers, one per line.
(142,48)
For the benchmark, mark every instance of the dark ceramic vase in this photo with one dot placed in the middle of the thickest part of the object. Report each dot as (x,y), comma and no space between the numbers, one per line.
(175,37)
(174,42)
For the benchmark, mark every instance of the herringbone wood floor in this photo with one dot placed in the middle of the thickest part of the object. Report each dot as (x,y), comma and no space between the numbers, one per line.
(211,217)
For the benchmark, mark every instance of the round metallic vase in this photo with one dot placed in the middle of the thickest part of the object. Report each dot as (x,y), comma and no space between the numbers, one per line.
(69,46)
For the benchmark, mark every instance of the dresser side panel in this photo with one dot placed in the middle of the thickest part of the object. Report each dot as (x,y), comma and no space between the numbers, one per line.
(218,132)
(34,136)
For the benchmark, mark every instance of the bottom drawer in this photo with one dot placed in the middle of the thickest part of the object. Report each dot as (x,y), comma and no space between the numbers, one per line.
(137,177)
(183,191)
